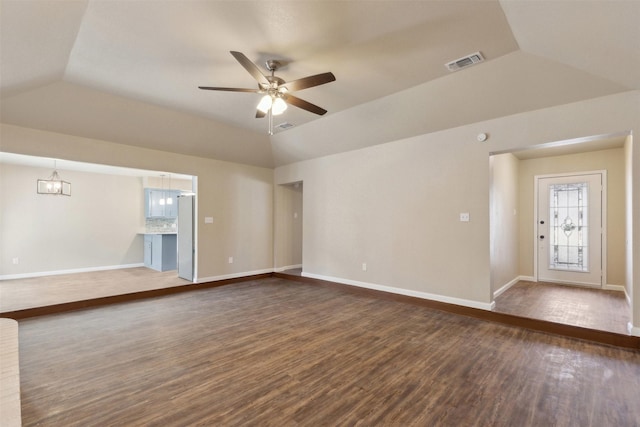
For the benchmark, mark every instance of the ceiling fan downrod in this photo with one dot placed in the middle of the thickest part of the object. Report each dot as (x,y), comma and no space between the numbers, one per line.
(274,92)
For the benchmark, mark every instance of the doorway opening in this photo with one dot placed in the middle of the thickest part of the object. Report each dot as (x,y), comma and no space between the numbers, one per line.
(530,274)
(89,245)
(288,257)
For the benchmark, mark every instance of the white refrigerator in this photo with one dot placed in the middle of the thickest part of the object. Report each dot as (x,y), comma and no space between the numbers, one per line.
(186,246)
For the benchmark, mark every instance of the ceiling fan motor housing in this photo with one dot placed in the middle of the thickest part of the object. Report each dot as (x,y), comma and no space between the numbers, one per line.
(272,65)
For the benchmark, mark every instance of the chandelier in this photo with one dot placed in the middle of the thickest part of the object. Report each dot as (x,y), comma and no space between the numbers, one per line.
(54,185)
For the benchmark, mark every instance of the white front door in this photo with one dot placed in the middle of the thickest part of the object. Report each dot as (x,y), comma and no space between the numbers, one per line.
(569,229)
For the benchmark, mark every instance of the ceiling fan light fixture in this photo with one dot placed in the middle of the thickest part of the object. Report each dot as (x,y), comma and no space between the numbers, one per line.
(265,103)
(275,90)
(279,106)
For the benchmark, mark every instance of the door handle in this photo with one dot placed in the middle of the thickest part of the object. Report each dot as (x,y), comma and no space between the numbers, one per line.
(541,237)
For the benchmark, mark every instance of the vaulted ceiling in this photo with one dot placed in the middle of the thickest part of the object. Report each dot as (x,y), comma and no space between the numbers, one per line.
(128,71)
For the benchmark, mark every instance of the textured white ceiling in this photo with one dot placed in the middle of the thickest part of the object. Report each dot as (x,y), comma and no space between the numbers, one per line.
(127,71)
(601,37)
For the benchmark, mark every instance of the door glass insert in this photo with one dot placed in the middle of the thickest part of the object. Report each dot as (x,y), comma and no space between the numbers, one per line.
(568,228)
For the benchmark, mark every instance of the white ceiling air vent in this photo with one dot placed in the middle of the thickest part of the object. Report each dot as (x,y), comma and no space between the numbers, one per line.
(285,125)
(465,61)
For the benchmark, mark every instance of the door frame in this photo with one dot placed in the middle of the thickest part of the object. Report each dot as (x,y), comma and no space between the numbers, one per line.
(603,248)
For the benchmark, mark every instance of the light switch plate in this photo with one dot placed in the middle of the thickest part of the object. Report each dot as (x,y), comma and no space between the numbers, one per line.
(464,217)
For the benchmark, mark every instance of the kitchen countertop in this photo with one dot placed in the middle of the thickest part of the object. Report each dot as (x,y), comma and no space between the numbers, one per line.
(157,232)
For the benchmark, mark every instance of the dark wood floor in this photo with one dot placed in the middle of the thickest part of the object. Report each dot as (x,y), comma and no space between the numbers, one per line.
(278,352)
(598,309)
(593,309)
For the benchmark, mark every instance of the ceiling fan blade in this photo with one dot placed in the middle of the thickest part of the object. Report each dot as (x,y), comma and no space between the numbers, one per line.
(229,89)
(260,114)
(305,105)
(311,81)
(251,68)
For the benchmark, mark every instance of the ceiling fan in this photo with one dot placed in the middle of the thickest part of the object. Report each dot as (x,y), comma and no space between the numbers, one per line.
(276,90)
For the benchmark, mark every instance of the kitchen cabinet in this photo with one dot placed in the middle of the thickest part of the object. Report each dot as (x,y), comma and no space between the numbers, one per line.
(171,206)
(160,251)
(161,203)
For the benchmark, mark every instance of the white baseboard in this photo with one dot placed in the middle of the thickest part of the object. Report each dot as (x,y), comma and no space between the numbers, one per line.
(573,283)
(407,292)
(619,289)
(504,288)
(614,288)
(70,271)
(633,330)
(232,275)
(287,267)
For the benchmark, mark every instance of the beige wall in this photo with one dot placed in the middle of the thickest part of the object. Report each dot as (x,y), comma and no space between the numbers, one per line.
(288,226)
(396,208)
(96,227)
(238,197)
(504,220)
(610,160)
(169,183)
(396,205)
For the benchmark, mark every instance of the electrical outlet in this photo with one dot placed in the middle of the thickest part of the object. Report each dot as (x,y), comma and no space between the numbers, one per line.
(230,260)
(15,260)
(208,220)
(464,217)
(364,266)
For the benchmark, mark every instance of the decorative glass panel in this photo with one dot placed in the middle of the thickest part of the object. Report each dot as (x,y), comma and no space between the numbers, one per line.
(568,227)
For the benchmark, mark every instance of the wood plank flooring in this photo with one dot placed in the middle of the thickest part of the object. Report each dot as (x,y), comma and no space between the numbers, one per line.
(9,374)
(20,294)
(589,308)
(570,305)
(274,352)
